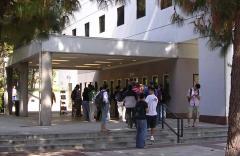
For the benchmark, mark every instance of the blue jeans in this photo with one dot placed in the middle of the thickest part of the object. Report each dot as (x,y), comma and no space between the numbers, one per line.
(104,110)
(141,133)
(86,110)
(160,113)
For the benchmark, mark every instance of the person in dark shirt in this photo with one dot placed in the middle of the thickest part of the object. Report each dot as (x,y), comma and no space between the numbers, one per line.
(85,103)
(141,121)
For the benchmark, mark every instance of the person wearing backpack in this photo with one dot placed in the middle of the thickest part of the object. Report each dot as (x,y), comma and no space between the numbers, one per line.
(120,105)
(76,98)
(193,97)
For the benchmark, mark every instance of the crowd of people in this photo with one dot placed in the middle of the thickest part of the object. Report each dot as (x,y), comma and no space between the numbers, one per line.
(127,101)
(140,106)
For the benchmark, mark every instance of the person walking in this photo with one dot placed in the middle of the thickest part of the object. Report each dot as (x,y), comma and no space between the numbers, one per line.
(141,121)
(193,98)
(152,102)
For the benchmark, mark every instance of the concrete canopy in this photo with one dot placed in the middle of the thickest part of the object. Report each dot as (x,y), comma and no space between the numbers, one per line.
(81,53)
(84,53)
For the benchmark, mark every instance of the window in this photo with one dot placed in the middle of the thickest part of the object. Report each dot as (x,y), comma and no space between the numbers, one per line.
(119,82)
(111,87)
(126,82)
(166,3)
(141,7)
(155,80)
(74,32)
(144,81)
(120,16)
(87,29)
(102,23)
(135,79)
(105,82)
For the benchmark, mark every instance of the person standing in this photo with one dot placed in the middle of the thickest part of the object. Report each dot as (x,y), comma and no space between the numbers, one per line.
(193,98)
(86,103)
(92,106)
(141,122)
(152,102)
(120,104)
(130,101)
(161,110)
(104,108)
(76,98)
(14,94)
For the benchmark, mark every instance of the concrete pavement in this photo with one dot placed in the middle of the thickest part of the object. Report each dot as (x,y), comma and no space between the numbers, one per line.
(214,149)
(65,124)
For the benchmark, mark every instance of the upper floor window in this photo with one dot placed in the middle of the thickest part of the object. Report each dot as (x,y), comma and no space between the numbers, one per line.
(120,16)
(102,23)
(87,29)
(74,32)
(141,8)
(166,3)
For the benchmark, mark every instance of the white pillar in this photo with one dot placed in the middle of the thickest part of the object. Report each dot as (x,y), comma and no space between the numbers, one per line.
(45,69)
(23,68)
(213,84)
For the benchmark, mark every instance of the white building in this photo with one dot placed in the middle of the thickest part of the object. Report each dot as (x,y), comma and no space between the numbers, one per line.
(151,22)
(141,43)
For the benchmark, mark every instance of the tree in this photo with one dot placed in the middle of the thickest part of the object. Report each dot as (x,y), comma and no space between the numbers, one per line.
(219,20)
(23,20)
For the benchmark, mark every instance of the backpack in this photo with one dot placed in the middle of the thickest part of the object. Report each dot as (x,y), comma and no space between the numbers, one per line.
(190,94)
(119,96)
(73,94)
(99,99)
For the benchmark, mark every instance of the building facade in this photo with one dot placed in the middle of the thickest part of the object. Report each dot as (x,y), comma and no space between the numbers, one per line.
(149,21)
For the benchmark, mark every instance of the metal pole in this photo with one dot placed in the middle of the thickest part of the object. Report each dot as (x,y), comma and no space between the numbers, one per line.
(181,127)
(162,116)
(178,128)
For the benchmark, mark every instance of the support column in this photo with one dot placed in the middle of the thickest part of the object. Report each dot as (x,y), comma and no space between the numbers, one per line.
(45,69)
(23,68)
(9,103)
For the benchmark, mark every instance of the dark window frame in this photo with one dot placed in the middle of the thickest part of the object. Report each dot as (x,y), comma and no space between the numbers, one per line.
(87,29)
(102,24)
(165,4)
(141,10)
(74,32)
(120,15)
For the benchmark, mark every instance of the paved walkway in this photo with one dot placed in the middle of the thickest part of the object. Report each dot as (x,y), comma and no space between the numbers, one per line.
(62,124)
(216,149)
(65,124)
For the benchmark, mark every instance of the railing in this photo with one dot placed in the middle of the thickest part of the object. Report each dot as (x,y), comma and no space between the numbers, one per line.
(179,132)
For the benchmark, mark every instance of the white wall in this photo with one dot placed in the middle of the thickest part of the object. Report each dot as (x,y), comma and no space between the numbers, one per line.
(212,80)
(155,26)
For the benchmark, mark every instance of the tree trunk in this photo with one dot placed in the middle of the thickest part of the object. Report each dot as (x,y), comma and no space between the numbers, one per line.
(233,141)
